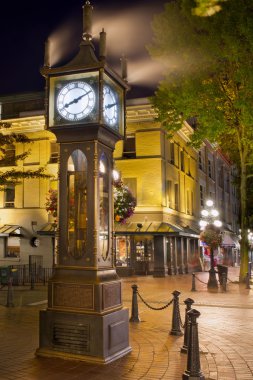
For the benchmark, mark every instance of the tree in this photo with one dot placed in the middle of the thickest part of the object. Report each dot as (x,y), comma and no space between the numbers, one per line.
(13,176)
(207,8)
(208,76)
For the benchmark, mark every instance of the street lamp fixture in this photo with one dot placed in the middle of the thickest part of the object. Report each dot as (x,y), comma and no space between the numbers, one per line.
(250,240)
(210,226)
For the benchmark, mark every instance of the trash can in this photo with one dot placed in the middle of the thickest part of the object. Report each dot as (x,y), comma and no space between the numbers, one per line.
(222,269)
(4,275)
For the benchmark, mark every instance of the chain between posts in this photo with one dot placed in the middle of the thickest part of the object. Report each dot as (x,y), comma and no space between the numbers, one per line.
(200,280)
(155,308)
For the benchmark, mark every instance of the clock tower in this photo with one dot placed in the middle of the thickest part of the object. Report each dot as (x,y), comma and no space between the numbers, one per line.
(85,109)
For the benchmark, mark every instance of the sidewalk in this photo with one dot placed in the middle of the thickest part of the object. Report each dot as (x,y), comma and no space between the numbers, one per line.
(225,334)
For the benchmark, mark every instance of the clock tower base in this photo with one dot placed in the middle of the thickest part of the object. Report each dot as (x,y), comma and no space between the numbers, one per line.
(98,339)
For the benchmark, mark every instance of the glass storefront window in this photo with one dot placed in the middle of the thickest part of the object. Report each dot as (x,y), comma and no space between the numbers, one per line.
(77,204)
(103,207)
(144,250)
(123,251)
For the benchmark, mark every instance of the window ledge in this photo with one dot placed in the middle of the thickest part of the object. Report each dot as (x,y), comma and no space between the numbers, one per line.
(17,259)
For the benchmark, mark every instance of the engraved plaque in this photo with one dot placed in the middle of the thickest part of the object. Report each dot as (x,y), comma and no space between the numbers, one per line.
(111,295)
(73,296)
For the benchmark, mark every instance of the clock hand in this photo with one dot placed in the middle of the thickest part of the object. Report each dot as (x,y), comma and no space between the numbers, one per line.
(110,105)
(76,99)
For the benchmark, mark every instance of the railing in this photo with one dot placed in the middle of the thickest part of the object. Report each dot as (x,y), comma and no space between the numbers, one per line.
(25,274)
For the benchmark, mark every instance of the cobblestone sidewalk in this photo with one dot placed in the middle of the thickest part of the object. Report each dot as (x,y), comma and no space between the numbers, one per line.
(225,335)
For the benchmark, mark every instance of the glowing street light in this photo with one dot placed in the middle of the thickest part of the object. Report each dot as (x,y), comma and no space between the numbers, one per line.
(211,224)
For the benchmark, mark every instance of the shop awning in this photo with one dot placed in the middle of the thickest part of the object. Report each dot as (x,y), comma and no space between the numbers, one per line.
(47,229)
(228,241)
(146,227)
(10,230)
(132,228)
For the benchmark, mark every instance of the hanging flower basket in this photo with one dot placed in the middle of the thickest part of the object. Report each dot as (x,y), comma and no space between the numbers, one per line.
(51,202)
(124,202)
(211,236)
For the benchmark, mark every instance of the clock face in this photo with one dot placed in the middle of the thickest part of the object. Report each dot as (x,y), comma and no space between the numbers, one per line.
(75,100)
(35,242)
(111,107)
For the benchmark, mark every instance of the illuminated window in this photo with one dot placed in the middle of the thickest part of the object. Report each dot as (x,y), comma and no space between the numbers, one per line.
(182,160)
(176,188)
(122,251)
(129,149)
(9,196)
(77,204)
(12,246)
(54,153)
(103,207)
(9,156)
(201,194)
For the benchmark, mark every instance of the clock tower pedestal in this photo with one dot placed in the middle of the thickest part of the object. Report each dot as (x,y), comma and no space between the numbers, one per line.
(85,318)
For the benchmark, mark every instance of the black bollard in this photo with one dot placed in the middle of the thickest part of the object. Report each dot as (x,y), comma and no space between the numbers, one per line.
(193,371)
(175,329)
(224,282)
(193,289)
(135,313)
(247,281)
(9,302)
(188,302)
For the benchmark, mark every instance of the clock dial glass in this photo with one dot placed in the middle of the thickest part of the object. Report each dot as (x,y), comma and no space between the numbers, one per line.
(75,100)
(110,106)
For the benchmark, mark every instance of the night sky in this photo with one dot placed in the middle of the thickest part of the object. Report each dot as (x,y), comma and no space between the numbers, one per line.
(25,26)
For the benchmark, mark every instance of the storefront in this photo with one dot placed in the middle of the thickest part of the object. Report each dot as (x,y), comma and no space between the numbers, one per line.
(230,249)
(155,248)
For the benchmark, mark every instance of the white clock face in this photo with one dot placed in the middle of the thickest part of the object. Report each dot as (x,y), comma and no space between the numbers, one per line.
(76,100)
(110,106)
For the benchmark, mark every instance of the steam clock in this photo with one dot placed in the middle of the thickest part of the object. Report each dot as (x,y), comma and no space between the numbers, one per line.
(85,103)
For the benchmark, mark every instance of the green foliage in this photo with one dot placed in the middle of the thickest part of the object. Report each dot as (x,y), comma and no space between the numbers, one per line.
(208,75)
(205,8)
(14,176)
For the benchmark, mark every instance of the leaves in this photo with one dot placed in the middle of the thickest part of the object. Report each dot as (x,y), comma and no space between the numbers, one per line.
(9,158)
(209,78)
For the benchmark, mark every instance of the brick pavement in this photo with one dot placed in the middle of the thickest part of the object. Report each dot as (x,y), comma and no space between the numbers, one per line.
(225,335)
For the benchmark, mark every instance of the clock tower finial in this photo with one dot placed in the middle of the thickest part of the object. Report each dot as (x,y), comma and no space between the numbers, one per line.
(87,21)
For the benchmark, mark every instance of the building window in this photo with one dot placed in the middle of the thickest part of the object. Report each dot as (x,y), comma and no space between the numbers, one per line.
(122,251)
(9,156)
(200,161)
(188,202)
(54,152)
(172,152)
(227,188)
(189,166)
(9,196)
(129,148)
(12,247)
(210,169)
(176,187)
(221,177)
(182,160)
(201,195)
(169,194)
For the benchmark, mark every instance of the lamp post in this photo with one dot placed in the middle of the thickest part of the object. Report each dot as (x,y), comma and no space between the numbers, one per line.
(210,225)
(250,240)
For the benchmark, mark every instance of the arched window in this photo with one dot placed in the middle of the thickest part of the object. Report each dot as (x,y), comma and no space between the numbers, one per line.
(103,206)
(77,204)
